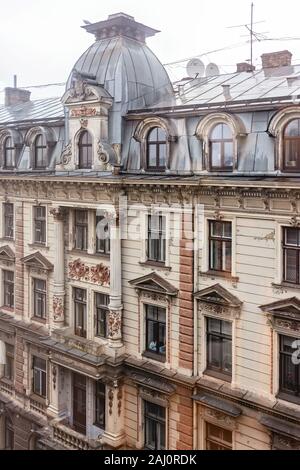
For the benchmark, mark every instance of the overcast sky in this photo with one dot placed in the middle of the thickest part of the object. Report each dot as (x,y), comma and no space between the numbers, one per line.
(41,39)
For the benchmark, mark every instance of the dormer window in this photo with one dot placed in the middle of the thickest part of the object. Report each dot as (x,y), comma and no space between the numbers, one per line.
(292,145)
(221,148)
(156,149)
(85,147)
(40,152)
(8,153)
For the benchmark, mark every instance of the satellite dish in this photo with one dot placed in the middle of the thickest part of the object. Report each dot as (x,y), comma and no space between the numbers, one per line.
(212,70)
(195,68)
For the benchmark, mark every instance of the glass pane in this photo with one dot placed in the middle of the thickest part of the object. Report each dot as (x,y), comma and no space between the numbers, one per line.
(162,155)
(291,257)
(292,236)
(153,135)
(214,326)
(226,328)
(161,135)
(227,229)
(227,256)
(227,356)
(152,150)
(214,352)
(227,134)
(217,132)
(228,154)
(216,154)
(293,128)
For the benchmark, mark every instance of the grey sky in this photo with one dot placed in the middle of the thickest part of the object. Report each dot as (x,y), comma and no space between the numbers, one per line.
(41,39)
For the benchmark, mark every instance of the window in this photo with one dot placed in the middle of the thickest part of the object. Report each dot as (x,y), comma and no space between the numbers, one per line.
(156,331)
(220,240)
(156,238)
(81,230)
(9,366)
(291,255)
(40,152)
(102,302)
(85,146)
(218,438)
(39,377)
(79,403)
(155,427)
(39,224)
(80,312)
(8,220)
(39,298)
(9,435)
(289,373)
(8,154)
(100,405)
(221,148)
(219,346)
(156,149)
(102,236)
(291,138)
(8,289)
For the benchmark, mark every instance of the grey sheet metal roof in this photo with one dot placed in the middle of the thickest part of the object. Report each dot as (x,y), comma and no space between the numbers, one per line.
(40,110)
(263,84)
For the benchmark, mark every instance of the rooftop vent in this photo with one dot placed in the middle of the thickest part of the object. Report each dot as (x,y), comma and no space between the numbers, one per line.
(244,67)
(277,59)
(16,96)
(226,92)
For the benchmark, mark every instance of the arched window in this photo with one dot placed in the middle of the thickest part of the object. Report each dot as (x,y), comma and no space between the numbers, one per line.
(221,148)
(40,152)
(8,153)
(85,146)
(291,140)
(156,149)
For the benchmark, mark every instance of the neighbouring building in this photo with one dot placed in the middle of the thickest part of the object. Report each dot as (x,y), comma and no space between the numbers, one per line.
(150,255)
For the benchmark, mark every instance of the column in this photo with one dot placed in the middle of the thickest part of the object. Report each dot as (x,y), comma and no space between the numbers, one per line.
(115,306)
(57,406)
(58,301)
(114,435)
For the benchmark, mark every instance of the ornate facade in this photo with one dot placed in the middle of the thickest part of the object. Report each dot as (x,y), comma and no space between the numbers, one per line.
(149,256)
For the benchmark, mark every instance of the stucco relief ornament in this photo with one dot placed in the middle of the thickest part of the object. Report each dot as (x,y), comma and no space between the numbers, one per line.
(80,88)
(78,270)
(102,154)
(84,123)
(114,324)
(66,154)
(58,308)
(100,274)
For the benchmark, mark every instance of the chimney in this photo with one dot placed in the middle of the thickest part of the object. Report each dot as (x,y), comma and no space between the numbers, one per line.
(276,59)
(244,67)
(16,96)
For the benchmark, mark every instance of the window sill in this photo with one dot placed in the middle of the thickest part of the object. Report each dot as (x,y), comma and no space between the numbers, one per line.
(285,284)
(7,381)
(156,357)
(88,255)
(9,310)
(155,264)
(7,239)
(218,375)
(38,245)
(42,321)
(38,398)
(221,274)
(288,398)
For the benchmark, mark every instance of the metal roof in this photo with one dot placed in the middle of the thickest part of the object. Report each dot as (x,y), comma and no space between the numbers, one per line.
(40,110)
(244,86)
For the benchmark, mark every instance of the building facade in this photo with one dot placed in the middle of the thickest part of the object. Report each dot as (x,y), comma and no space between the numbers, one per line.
(149,256)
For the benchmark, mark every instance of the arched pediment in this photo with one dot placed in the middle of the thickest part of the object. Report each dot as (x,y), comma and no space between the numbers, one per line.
(15,135)
(281,119)
(147,124)
(208,122)
(6,254)
(47,132)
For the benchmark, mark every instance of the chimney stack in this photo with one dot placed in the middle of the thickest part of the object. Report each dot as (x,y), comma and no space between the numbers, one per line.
(276,59)
(244,67)
(16,96)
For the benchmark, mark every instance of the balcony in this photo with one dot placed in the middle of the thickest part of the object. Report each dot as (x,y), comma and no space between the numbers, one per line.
(38,406)
(72,440)
(7,388)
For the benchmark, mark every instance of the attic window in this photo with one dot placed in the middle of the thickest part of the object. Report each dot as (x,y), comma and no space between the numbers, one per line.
(8,153)
(221,147)
(40,152)
(85,145)
(156,149)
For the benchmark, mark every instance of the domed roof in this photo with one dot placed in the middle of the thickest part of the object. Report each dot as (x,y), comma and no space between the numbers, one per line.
(121,62)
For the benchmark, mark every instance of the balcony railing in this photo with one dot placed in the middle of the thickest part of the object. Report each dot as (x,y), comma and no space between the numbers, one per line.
(72,439)
(7,388)
(38,407)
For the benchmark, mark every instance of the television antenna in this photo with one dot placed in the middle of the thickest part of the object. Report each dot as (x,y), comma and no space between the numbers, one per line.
(253,34)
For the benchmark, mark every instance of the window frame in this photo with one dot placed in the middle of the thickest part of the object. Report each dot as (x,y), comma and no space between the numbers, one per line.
(100,402)
(9,434)
(221,239)
(160,241)
(103,245)
(87,162)
(156,144)
(81,228)
(10,284)
(101,308)
(8,221)
(285,247)
(40,147)
(216,441)
(82,325)
(41,389)
(39,296)
(9,372)
(42,221)
(283,392)
(222,143)
(209,368)
(7,149)
(290,139)
(155,354)
(160,426)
